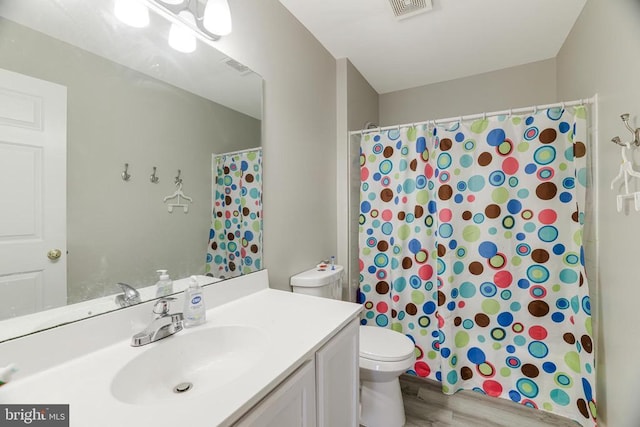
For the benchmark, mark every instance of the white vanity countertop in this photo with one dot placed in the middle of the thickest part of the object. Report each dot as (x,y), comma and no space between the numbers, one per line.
(295,326)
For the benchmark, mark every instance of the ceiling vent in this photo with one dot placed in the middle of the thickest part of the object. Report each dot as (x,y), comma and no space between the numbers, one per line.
(240,68)
(403,9)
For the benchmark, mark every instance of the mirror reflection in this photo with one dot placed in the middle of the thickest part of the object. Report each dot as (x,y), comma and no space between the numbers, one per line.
(122,157)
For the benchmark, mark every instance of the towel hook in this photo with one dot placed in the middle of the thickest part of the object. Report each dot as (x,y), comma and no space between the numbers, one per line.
(153,178)
(126,176)
(178,180)
(634,132)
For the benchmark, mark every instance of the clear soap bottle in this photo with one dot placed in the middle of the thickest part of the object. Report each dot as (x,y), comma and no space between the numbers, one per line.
(164,286)
(194,309)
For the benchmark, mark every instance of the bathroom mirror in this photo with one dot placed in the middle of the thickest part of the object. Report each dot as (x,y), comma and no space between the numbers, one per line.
(136,110)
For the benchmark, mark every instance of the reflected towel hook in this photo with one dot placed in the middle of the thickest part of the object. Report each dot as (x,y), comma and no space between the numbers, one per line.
(178,180)
(126,176)
(153,178)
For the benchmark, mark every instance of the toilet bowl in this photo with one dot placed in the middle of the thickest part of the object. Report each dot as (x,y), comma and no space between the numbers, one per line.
(384,354)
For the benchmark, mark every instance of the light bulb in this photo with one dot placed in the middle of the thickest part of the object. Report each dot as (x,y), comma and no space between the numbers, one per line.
(182,38)
(132,13)
(217,17)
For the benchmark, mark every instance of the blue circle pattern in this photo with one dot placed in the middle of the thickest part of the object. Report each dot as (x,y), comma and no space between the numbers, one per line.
(479,261)
(235,237)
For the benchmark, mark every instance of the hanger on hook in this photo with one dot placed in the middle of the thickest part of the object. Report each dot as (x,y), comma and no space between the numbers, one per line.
(626,170)
(179,195)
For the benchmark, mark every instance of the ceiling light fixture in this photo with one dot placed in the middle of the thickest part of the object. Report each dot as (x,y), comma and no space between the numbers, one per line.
(181,38)
(211,18)
(206,19)
(132,13)
(217,17)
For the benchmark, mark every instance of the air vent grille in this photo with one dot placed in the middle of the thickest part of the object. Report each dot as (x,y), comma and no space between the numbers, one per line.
(405,8)
(241,68)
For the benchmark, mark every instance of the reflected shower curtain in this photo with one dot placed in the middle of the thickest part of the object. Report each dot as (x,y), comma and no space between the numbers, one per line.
(471,245)
(235,237)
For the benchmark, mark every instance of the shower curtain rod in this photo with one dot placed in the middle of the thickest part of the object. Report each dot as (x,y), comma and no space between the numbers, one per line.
(479,116)
(231,153)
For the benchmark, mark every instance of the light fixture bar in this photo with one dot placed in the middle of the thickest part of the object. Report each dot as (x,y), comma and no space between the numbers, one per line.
(190,6)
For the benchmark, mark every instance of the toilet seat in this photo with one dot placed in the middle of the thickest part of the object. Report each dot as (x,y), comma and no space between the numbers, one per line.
(389,367)
(384,345)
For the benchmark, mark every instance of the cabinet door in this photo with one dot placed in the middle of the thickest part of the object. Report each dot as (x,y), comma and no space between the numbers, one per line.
(337,379)
(292,404)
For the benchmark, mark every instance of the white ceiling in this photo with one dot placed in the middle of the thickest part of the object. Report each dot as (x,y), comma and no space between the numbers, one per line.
(457,38)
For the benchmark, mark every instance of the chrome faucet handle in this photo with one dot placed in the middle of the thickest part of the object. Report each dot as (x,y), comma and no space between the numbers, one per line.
(130,293)
(162,306)
(129,296)
(163,325)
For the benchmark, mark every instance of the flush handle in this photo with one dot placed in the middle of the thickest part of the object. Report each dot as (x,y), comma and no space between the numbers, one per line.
(54,254)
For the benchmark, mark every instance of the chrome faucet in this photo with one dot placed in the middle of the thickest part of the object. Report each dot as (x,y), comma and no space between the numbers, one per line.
(130,296)
(162,326)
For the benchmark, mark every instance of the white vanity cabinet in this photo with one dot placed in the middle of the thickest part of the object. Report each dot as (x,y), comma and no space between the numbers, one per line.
(291,404)
(337,378)
(323,394)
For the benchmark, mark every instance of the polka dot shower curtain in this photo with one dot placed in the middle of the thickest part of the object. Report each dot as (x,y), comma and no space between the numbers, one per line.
(235,237)
(471,245)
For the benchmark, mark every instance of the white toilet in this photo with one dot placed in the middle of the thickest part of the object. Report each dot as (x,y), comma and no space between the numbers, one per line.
(384,354)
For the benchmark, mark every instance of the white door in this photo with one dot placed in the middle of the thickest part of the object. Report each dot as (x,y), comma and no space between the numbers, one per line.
(33,138)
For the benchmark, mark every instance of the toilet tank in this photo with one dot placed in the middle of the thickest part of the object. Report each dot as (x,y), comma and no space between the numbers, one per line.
(323,280)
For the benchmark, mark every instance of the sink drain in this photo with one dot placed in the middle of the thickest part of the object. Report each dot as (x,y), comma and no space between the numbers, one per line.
(182,387)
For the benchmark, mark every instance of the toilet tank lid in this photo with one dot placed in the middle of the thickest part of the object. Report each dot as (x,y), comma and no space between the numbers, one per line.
(317,276)
(384,344)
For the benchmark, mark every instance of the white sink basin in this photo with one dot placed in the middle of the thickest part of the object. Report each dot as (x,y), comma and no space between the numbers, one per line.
(186,364)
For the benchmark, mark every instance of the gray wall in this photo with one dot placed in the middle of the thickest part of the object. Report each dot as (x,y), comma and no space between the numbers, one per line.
(121,231)
(601,56)
(299,134)
(357,105)
(521,86)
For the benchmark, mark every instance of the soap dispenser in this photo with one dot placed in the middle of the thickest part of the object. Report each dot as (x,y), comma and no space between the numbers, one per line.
(194,309)
(164,286)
